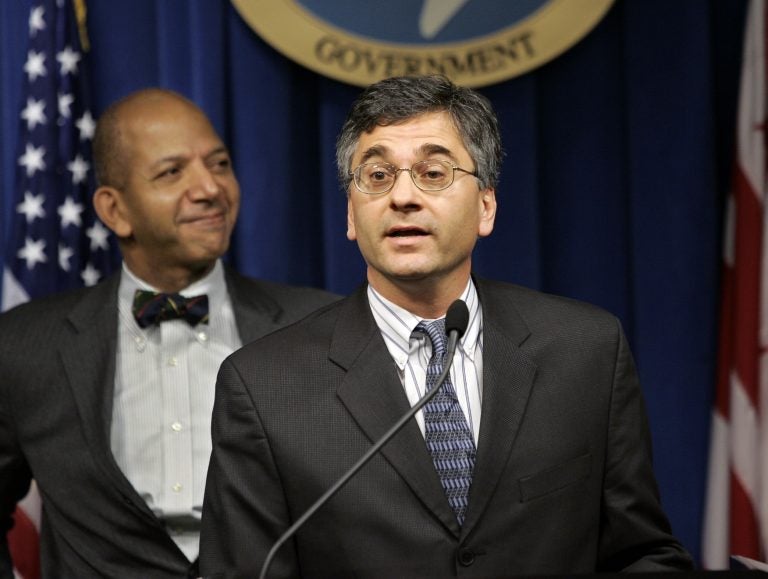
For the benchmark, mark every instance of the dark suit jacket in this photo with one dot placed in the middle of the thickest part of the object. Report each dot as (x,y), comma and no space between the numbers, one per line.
(562,484)
(57,368)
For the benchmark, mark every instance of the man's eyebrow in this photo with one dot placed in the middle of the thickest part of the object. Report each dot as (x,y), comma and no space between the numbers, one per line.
(374,151)
(428,149)
(218,151)
(180,158)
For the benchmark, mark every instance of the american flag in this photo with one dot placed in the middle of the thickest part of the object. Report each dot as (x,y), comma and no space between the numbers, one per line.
(736,517)
(56,241)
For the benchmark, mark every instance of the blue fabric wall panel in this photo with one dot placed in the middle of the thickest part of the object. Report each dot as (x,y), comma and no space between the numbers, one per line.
(174,42)
(275,137)
(585,203)
(125,55)
(513,250)
(676,250)
(208,38)
(344,267)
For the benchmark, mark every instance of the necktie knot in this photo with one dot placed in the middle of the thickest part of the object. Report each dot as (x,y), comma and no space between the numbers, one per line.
(151,308)
(436,332)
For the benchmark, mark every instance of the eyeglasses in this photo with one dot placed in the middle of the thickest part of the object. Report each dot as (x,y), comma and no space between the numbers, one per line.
(427,175)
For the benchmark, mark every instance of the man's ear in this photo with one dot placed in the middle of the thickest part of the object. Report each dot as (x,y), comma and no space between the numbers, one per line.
(487,212)
(351,232)
(109,206)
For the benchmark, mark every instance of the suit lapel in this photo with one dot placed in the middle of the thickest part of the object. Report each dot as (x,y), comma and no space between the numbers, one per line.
(373,395)
(93,324)
(507,381)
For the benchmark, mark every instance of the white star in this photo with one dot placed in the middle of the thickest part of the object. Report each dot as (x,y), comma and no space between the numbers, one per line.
(32,159)
(68,60)
(35,65)
(32,206)
(65,253)
(34,113)
(90,275)
(65,101)
(33,252)
(36,20)
(86,126)
(98,234)
(70,212)
(79,168)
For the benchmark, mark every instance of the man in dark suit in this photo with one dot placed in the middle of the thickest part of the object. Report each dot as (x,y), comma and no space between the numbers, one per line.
(536,458)
(106,393)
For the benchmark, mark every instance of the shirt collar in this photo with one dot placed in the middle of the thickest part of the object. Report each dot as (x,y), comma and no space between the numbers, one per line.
(213,284)
(397,324)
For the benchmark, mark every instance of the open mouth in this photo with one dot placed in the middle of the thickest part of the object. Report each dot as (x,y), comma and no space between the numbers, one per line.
(408,232)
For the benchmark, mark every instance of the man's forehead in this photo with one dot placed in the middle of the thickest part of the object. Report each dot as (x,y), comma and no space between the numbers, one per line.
(167,115)
(421,136)
(423,150)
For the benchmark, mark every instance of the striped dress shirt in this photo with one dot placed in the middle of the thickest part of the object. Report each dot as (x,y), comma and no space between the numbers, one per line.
(164,390)
(411,352)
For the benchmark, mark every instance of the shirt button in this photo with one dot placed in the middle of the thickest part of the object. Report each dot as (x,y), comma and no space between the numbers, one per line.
(176,427)
(177,487)
(202,336)
(173,362)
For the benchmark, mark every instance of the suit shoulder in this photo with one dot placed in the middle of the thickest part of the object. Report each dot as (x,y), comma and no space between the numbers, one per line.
(278,291)
(284,291)
(43,309)
(538,308)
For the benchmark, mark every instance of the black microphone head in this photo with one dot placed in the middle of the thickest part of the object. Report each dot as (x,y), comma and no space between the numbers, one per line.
(457,318)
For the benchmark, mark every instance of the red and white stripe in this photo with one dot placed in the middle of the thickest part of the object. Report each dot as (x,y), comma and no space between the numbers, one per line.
(736,517)
(24,538)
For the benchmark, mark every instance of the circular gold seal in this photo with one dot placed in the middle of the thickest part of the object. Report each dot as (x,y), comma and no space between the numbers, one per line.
(473,42)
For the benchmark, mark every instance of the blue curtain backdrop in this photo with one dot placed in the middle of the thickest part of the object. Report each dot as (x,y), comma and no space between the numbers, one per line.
(617,161)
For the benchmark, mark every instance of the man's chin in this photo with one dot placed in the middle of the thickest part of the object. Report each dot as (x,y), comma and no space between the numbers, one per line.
(411,275)
(205,257)
(208,244)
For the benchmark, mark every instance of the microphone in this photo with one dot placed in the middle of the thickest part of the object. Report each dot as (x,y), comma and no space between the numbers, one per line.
(456,321)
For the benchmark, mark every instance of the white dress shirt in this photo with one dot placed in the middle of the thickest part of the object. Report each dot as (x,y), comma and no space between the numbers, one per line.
(164,390)
(411,352)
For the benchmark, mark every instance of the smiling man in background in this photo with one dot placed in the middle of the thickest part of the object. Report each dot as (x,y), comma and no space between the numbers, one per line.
(106,393)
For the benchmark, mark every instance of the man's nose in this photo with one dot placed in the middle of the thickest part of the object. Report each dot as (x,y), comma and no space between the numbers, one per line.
(404,191)
(204,181)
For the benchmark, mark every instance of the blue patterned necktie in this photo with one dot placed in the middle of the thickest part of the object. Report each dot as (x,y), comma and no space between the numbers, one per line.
(447,434)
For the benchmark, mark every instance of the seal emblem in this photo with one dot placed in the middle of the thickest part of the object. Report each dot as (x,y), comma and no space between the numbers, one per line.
(473,42)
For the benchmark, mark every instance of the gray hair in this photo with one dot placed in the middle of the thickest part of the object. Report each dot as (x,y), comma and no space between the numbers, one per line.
(398,99)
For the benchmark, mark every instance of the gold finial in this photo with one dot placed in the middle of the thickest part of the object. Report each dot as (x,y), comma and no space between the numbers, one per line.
(81,13)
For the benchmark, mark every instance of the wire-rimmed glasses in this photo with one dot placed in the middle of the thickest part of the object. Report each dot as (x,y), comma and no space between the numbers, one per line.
(428,175)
